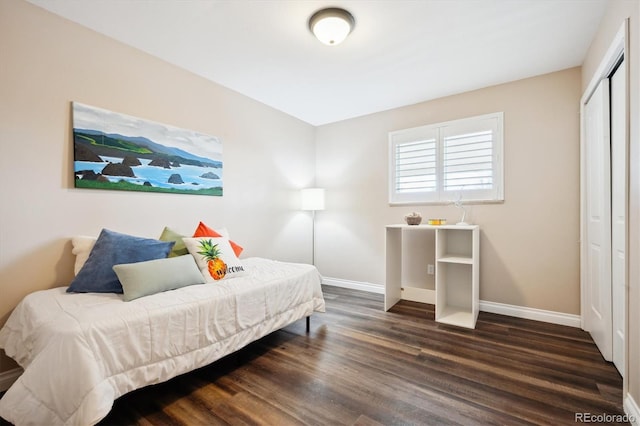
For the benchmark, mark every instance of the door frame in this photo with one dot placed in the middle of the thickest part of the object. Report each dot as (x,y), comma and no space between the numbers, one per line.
(618,48)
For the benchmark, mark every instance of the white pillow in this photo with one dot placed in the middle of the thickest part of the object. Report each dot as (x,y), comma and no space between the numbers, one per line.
(82,247)
(227,265)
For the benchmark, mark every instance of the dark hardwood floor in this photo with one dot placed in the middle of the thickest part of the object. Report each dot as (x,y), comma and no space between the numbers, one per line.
(360,365)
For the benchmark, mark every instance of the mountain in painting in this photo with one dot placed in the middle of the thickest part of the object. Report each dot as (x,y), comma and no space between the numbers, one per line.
(115,144)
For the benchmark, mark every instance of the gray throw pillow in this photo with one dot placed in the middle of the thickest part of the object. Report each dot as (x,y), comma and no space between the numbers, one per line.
(155,276)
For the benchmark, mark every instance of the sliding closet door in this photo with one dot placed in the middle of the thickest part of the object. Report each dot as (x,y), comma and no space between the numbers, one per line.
(597,314)
(618,211)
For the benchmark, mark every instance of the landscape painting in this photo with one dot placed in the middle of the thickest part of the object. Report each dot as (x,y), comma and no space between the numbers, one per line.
(118,151)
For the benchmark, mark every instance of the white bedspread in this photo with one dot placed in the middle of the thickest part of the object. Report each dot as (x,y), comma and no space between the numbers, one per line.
(82,351)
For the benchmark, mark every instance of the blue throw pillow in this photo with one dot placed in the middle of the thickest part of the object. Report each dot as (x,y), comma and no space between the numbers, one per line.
(113,248)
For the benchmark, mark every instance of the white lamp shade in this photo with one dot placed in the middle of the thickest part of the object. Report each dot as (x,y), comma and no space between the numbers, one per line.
(313,199)
(331,26)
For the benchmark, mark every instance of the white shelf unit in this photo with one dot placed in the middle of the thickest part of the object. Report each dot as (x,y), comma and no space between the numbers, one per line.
(457,260)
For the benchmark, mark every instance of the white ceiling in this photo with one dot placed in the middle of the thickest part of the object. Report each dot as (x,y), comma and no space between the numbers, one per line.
(401,51)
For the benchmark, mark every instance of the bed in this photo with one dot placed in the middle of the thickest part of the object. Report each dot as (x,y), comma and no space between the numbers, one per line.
(81,351)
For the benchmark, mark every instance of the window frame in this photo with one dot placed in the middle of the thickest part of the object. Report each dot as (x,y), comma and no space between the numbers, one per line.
(492,121)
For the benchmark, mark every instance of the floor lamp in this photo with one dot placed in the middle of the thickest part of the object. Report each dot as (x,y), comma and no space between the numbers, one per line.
(313,200)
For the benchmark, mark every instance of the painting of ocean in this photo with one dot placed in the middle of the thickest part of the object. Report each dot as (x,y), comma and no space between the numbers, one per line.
(118,151)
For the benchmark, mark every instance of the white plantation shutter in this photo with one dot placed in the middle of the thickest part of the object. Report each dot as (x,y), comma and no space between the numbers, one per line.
(413,165)
(416,166)
(447,161)
(468,161)
(471,162)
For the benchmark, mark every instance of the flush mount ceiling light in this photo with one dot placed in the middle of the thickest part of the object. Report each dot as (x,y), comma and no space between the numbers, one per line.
(331,26)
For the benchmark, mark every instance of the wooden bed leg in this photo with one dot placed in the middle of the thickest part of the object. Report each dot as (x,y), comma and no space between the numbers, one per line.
(308,323)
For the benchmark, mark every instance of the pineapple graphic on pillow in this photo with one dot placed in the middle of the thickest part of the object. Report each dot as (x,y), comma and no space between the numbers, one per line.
(215,265)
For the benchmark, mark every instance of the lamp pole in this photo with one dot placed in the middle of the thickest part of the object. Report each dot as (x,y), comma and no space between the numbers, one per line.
(313,237)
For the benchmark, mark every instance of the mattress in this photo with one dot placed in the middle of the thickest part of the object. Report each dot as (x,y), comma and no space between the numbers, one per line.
(80,352)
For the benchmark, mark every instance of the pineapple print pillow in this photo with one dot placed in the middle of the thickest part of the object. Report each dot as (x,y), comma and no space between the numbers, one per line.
(215,258)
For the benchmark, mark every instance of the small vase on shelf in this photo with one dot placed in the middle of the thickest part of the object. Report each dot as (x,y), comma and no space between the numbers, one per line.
(413,218)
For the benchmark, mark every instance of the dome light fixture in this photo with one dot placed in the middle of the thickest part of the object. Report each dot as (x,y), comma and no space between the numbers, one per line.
(332,25)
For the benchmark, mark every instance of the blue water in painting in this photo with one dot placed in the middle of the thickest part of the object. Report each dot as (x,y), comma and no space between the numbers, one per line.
(157,176)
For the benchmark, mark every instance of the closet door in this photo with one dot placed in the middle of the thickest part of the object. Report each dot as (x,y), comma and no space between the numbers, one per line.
(618,211)
(597,193)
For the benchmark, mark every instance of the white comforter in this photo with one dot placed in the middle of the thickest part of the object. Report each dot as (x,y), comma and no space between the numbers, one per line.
(82,351)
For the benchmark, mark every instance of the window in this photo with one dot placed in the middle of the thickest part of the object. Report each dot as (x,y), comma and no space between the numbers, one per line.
(444,162)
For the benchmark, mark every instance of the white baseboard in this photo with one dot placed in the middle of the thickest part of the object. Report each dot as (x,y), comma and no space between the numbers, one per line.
(8,377)
(632,410)
(531,313)
(495,308)
(354,285)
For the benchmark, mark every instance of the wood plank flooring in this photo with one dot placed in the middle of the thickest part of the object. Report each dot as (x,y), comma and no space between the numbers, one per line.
(362,366)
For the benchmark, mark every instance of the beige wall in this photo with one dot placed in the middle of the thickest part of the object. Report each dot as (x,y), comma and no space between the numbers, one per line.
(47,62)
(529,243)
(617,12)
